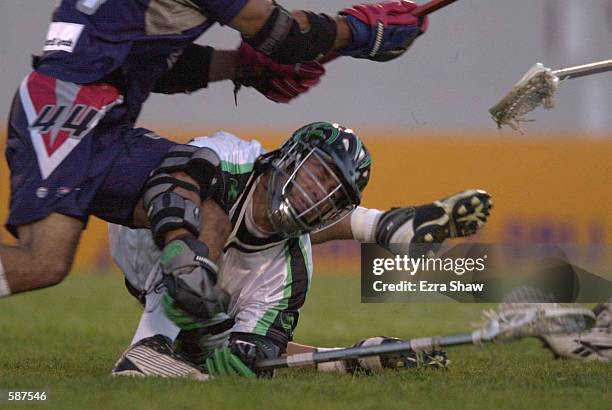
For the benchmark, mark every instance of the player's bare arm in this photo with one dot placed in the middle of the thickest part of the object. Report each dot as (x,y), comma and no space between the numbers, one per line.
(458,215)
(340,231)
(254,15)
(215,226)
(278,54)
(199,66)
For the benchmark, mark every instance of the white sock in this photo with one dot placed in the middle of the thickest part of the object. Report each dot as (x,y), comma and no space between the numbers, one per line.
(363,224)
(5,290)
(154,321)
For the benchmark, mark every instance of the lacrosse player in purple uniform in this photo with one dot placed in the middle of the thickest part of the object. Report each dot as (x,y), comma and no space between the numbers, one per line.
(73,150)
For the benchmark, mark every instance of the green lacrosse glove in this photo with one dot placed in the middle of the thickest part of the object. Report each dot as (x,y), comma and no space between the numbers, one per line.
(239,359)
(225,363)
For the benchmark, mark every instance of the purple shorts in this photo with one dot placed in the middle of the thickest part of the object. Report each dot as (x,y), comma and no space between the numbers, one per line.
(71,151)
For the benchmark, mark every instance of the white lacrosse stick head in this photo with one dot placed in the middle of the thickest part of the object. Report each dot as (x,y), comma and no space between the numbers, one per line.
(527,312)
(553,319)
(497,326)
(537,87)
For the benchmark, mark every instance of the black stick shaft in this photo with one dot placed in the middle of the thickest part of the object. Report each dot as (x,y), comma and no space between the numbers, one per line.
(427,343)
(430,7)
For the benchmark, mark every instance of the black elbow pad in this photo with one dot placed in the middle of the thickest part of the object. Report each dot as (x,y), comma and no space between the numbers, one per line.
(282,40)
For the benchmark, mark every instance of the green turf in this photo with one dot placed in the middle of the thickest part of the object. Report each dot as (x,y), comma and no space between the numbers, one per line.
(66,339)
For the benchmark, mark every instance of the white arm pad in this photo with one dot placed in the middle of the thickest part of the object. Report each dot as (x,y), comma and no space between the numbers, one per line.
(363,224)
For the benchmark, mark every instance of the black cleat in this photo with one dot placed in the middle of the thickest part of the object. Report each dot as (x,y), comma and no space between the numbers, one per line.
(458,215)
(154,357)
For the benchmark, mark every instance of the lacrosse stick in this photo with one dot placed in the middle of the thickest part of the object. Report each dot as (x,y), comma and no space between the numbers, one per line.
(537,87)
(430,7)
(514,321)
(419,11)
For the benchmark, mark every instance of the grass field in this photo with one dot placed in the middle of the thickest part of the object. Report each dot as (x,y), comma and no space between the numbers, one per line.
(65,340)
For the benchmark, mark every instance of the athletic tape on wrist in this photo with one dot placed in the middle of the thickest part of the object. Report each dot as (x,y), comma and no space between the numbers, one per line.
(363,224)
(5,290)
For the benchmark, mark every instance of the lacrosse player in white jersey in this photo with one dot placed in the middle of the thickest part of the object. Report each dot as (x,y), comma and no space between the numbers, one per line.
(264,210)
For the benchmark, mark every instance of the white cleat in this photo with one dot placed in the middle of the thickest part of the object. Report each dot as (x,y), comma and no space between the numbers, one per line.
(594,344)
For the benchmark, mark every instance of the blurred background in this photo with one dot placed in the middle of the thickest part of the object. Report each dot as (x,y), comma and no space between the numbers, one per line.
(424,117)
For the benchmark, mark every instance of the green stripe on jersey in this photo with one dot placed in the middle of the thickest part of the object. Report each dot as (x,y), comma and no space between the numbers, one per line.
(234,168)
(266,321)
(307,262)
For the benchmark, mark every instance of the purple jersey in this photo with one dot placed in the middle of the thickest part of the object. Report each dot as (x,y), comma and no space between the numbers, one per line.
(72,147)
(128,43)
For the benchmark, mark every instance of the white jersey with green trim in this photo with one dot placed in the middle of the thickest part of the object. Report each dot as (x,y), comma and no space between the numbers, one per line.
(263,280)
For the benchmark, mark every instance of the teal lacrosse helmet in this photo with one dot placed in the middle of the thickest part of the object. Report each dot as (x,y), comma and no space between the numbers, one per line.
(317,179)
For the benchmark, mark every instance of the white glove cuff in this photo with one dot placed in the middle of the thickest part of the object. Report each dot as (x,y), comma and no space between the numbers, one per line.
(363,224)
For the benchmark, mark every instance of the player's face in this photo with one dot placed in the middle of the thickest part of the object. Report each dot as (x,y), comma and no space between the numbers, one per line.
(305,192)
(316,193)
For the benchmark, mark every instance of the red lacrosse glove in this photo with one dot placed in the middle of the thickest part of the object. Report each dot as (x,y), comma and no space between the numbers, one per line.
(382,31)
(278,82)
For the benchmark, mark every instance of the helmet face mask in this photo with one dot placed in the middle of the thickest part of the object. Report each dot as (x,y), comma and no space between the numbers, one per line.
(308,190)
